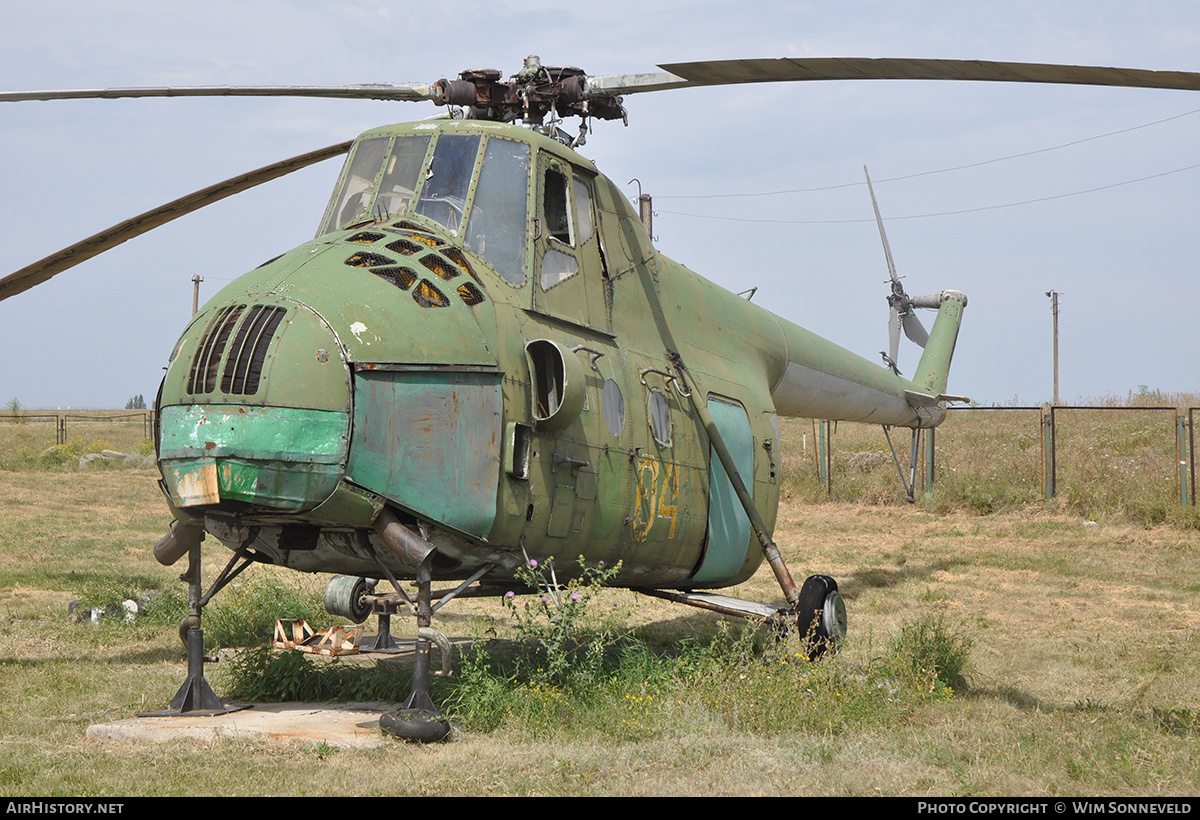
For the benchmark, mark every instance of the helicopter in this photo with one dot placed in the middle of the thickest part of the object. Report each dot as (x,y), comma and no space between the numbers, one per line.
(481,361)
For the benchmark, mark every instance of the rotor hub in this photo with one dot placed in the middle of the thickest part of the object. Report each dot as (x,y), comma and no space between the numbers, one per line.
(529,95)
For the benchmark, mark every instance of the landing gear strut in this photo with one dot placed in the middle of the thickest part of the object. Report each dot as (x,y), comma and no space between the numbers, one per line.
(418,719)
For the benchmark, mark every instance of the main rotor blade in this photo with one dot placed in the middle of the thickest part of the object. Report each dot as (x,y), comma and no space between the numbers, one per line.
(614,85)
(67,258)
(410,92)
(725,72)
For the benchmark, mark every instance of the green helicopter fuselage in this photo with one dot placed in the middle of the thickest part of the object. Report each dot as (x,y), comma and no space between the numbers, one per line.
(483,340)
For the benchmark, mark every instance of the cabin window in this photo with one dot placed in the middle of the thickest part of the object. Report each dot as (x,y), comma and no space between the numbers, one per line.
(500,211)
(614,407)
(660,418)
(448,179)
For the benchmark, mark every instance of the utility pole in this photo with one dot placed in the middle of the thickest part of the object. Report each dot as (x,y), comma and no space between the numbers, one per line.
(196,280)
(1053,294)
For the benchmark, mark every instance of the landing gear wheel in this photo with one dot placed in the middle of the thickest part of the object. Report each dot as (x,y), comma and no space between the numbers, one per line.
(420,725)
(344,598)
(821,615)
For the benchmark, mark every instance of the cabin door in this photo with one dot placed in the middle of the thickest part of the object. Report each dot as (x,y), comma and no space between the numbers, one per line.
(728,525)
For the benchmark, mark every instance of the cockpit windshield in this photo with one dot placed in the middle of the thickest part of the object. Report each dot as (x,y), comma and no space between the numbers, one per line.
(389,176)
(448,178)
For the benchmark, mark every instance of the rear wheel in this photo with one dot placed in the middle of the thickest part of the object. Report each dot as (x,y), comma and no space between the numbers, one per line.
(821,615)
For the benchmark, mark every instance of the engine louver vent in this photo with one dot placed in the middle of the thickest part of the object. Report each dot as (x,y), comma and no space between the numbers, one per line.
(243,369)
(203,376)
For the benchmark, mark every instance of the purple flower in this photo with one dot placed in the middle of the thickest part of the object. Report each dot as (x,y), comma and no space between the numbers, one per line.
(509,594)
(601,563)
(545,600)
(574,596)
(533,563)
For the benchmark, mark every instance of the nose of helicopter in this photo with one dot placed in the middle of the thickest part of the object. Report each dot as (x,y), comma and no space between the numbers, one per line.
(255,409)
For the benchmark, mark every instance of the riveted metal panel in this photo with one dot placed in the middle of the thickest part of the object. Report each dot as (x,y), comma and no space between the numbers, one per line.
(429,441)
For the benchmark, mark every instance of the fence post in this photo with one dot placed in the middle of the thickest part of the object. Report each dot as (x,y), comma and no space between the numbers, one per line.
(929,436)
(1048,465)
(60,429)
(1181,458)
(823,459)
(1192,450)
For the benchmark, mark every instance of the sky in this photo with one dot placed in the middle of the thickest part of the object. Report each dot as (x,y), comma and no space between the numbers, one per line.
(1123,256)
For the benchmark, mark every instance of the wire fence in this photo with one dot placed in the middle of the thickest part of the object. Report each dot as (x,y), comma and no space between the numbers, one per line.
(60,425)
(1101,456)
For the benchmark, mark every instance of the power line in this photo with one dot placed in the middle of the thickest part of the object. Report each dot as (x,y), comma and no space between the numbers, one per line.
(938,170)
(938,213)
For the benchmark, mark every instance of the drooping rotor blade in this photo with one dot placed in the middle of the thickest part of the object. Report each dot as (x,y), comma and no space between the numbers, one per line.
(790,69)
(893,332)
(67,258)
(914,330)
(410,92)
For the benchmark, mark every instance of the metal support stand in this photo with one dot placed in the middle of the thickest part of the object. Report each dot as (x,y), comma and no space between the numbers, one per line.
(195,697)
(384,642)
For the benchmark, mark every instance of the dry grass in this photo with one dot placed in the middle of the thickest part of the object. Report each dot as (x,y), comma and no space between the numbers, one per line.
(1085,674)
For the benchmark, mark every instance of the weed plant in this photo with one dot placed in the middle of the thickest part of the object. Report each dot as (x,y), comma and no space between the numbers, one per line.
(262,675)
(745,681)
(244,614)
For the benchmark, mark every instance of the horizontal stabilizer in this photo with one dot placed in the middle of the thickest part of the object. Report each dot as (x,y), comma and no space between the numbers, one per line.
(925,400)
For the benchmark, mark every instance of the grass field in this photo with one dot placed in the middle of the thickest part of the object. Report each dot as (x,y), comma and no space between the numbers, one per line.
(1081,616)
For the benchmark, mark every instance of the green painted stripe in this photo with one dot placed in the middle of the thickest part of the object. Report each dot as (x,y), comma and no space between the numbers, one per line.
(254,433)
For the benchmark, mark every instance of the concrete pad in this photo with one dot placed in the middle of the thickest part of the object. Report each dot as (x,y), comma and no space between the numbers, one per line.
(352,725)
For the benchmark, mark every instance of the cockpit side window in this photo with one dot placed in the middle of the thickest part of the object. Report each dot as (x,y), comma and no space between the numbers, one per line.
(448,179)
(583,209)
(353,199)
(356,198)
(558,207)
(498,227)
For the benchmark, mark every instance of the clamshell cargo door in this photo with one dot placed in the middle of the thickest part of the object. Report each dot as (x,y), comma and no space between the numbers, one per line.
(429,440)
(728,525)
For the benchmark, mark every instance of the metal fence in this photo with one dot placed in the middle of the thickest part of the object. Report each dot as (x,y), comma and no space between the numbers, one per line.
(61,421)
(1179,426)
